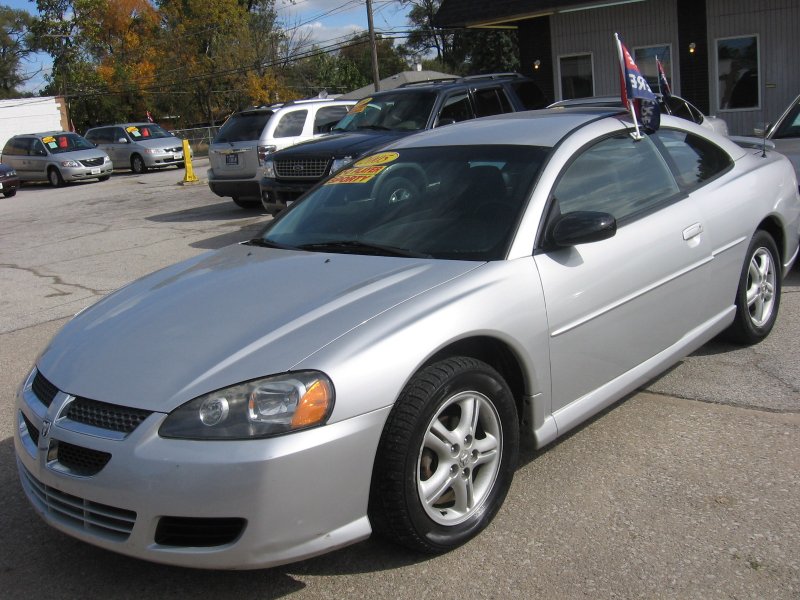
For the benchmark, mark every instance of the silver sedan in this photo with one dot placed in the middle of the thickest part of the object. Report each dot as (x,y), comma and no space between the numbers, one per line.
(369,362)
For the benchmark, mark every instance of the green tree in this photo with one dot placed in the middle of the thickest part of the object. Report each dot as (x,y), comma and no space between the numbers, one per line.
(358,52)
(14,49)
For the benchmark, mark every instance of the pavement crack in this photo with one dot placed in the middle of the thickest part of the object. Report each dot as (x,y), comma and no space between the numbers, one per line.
(55,280)
(765,409)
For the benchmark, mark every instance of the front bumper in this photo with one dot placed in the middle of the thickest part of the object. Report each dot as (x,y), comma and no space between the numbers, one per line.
(8,185)
(80,173)
(155,161)
(279,194)
(295,496)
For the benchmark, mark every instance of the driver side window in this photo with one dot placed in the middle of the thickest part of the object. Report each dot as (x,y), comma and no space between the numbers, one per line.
(618,176)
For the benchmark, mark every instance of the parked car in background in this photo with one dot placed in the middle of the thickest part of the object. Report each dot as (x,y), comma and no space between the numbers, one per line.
(248,137)
(384,117)
(785,134)
(138,146)
(368,362)
(57,157)
(9,182)
(670,105)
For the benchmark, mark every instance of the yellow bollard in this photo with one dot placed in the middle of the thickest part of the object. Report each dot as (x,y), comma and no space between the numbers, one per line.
(189,176)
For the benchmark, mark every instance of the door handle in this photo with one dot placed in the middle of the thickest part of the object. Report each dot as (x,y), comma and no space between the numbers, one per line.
(692,231)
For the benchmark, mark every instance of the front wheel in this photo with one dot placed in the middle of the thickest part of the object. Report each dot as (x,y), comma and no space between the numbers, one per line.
(10,193)
(54,177)
(137,164)
(104,178)
(446,457)
(758,296)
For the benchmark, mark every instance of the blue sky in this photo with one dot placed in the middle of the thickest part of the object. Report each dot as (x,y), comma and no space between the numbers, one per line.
(316,21)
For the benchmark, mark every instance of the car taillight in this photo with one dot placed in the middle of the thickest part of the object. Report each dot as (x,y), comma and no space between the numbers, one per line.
(262,153)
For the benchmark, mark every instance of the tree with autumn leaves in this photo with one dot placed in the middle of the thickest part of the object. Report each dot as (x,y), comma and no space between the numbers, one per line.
(184,60)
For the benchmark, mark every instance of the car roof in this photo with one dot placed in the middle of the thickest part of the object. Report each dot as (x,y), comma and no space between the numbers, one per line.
(534,127)
(437,85)
(41,133)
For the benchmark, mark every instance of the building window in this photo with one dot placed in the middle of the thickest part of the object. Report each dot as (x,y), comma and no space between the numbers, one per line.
(577,76)
(738,81)
(645,58)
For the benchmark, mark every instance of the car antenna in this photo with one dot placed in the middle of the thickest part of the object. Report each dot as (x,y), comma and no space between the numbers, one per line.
(764,140)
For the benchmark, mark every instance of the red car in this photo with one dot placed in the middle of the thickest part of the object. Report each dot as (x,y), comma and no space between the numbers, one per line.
(9,182)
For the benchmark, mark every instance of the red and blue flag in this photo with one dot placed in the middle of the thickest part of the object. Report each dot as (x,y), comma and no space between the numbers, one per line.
(663,84)
(635,91)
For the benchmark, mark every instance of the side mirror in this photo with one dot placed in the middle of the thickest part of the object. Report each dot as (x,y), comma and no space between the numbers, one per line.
(583,227)
(122,141)
(41,153)
(445,121)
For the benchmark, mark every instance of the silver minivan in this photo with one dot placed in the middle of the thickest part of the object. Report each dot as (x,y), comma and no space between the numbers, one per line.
(247,137)
(138,146)
(57,157)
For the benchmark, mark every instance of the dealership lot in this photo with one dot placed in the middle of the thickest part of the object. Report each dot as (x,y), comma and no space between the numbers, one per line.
(690,489)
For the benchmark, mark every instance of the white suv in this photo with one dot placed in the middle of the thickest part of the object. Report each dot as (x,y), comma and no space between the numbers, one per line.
(247,137)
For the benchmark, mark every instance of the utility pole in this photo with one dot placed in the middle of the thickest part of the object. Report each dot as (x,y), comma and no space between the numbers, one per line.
(375,76)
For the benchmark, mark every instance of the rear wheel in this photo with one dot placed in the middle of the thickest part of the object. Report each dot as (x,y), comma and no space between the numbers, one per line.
(10,193)
(104,178)
(247,204)
(137,164)
(180,165)
(759,294)
(54,177)
(446,457)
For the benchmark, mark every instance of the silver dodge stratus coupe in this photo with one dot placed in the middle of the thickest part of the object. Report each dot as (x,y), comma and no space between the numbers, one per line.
(369,362)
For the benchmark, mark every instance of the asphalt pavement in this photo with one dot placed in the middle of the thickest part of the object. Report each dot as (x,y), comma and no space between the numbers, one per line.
(688,489)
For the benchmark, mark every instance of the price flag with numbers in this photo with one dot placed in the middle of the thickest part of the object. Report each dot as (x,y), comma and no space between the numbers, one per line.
(635,91)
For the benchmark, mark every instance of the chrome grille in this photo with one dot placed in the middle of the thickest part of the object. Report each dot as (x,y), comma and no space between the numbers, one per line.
(78,513)
(92,162)
(43,389)
(301,168)
(106,416)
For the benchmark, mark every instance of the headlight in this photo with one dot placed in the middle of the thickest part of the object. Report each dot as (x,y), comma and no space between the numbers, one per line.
(255,409)
(269,169)
(106,159)
(340,163)
(70,163)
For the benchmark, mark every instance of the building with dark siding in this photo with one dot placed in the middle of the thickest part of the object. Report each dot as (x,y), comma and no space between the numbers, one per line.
(733,58)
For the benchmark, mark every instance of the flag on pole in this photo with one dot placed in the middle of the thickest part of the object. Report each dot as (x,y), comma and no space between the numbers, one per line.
(149,116)
(663,84)
(635,92)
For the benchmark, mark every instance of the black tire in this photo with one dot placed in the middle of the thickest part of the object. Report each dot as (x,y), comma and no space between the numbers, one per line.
(54,177)
(396,191)
(476,468)
(104,178)
(180,165)
(10,193)
(758,296)
(137,164)
(246,204)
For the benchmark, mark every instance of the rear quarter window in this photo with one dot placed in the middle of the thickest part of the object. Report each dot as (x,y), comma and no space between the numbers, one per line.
(291,124)
(492,101)
(693,159)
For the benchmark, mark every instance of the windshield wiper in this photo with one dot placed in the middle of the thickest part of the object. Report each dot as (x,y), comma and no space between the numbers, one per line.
(356,247)
(262,243)
(375,127)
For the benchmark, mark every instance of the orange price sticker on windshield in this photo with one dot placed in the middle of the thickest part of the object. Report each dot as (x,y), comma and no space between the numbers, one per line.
(48,139)
(378,159)
(356,175)
(359,106)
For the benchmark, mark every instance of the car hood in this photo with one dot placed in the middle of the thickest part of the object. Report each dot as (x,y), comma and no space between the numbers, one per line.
(225,317)
(343,144)
(79,155)
(170,142)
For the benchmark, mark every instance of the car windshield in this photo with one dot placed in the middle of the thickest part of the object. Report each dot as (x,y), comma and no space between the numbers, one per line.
(243,127)
(452,202)
(398,111)
(147,132)
(65,142)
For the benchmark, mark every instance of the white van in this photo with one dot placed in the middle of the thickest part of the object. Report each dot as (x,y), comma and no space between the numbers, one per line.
(247,137)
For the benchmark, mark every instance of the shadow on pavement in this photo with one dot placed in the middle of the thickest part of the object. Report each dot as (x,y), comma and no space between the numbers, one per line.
(247,232)
(222,211)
